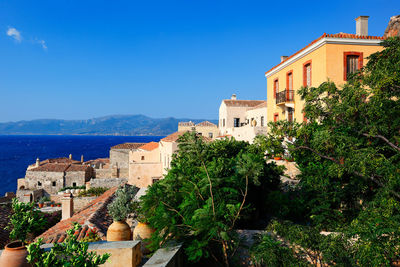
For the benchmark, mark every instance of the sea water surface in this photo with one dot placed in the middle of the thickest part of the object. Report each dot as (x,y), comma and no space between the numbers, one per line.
(19,151)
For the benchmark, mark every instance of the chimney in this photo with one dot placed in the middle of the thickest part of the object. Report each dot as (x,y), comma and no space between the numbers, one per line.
(37,162)
(67,206)
(81,158)
(233,97)
(283,58)
(70,156)
(362,25)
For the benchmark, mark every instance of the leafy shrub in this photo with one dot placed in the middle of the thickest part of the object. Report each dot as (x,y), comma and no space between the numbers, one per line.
(71,252)
(210,190)
(123,203)
(25,219)
(91,236)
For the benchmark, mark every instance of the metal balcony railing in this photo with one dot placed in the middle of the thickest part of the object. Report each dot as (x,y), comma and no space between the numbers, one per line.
(284,96)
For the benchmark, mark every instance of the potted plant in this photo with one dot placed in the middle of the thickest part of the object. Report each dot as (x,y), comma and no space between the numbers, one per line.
(278,156)
(24,220)
(41,202)
(119,208)
(52,204)
(142,229)
(58,204)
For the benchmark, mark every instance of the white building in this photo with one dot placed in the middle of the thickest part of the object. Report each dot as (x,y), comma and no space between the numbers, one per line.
(242,119)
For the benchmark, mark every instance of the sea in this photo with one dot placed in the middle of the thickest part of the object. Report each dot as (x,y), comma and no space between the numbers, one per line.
(19,151)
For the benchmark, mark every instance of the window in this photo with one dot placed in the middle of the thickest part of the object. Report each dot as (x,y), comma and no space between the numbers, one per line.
(262,121)
(236,122)
(289,86)
(276,117)
(307,74)
(276,87)
(352,61)
(223,122)
(290,114)
(54,183)
(210,135)
(74,184)
(39,183)
(142,157)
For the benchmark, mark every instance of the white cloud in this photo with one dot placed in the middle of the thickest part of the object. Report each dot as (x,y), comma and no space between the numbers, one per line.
(42,43)
(14,33)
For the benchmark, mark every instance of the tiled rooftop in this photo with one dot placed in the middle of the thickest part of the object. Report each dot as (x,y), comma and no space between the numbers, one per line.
(186,123)
(172,137)
(60,167)
(149,146)
(94,215)
(337,35)
(128,146)
(242,103)
(5,212)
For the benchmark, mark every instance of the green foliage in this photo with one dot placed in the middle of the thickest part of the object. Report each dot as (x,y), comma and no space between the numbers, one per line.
(210,190)
(267,251)
(25,219)
(94,191)
(69,253)
(42,200)
(123,203)
(349,157)
(91,236)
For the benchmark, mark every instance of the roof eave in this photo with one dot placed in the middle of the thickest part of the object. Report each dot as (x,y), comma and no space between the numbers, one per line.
(318,44)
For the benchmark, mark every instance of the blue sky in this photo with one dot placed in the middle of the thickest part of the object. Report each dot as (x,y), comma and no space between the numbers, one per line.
(83,59)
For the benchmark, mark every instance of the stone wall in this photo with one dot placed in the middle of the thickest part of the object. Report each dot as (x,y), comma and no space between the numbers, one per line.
(393,29)
(27,195)
(141,174)
(50,182)
(107,182)
(77,178)
(102,173)
(119,162)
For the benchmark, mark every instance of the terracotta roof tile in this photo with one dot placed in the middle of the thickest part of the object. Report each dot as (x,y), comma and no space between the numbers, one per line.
(77,168)
(94,215)
(100,160)
(337,35)
(207,124)
(128,146)
(149,146)
(51,167)
(172,137)
(242,103)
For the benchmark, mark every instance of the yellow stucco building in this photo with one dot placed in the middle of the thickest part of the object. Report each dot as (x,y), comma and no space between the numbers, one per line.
(330,57)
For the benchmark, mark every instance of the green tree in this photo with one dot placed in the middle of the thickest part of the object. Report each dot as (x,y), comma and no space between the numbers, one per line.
(210,189)
(349,157)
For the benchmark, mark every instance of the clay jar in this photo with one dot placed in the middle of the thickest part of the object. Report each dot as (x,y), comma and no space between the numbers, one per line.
(14,255)
(119,231)
(142,231)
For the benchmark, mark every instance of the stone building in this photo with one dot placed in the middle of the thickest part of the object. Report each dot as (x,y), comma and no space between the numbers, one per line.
(242,119)
(145,167)
(204,128)
(119,159)
(49,176)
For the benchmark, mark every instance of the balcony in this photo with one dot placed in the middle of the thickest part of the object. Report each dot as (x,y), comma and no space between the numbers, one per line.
(284,96)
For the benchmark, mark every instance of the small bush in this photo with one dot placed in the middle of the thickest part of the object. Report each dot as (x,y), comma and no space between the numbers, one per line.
(95,191)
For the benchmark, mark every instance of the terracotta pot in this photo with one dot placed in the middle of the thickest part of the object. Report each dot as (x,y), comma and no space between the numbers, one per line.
(14,255)
(41,205)
(58,205)
(277,158)
(142,231)
(52,205)
(119,231)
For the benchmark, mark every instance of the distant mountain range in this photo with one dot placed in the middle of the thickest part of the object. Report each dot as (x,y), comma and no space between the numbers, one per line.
(108,125)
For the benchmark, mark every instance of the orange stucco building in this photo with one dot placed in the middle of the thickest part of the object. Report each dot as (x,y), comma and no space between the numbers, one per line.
(330,57)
